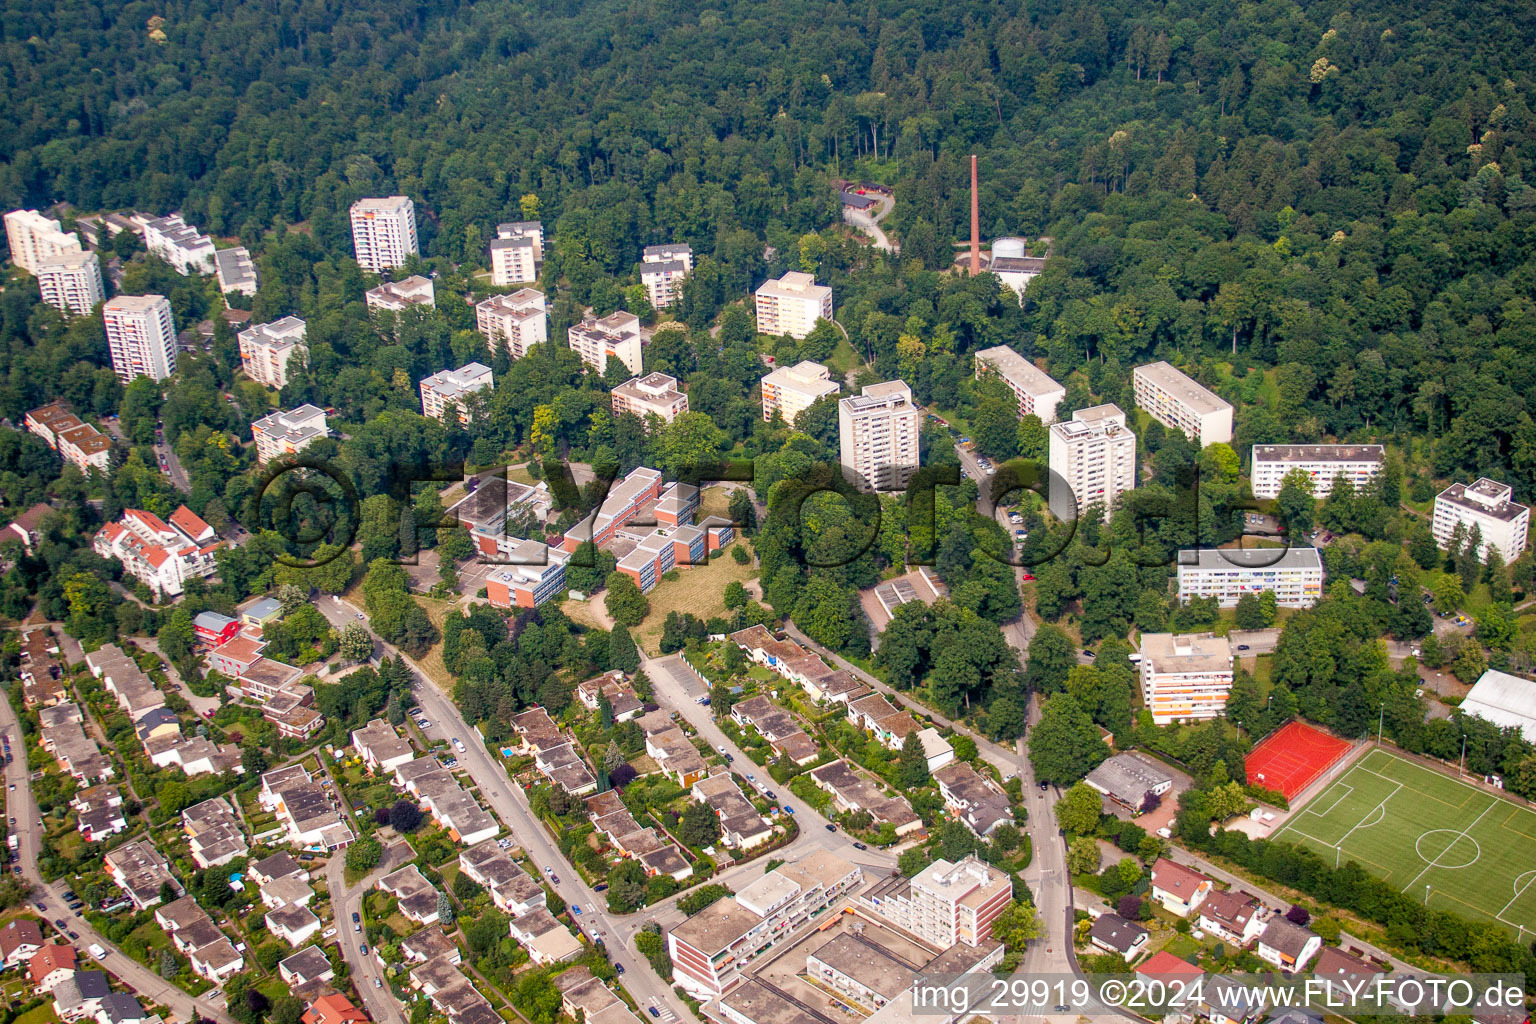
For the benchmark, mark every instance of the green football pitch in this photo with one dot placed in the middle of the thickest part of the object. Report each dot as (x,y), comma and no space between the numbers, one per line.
(1430,835)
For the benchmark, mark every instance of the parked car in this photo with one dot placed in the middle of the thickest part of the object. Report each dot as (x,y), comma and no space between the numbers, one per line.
(74,936)
(365,949)
(619,968)
(653,1011)
(377,983)
(831,827)
(860,846)
(59,923)
(356,917)
(1242,647)
(576,910)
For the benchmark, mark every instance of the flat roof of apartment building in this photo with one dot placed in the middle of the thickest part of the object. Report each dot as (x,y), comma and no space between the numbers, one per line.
(1018,370)
(1187,652)
(1250,558)
(1318,452)
(1182,386)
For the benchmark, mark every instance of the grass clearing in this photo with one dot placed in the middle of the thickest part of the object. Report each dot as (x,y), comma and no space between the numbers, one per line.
(698,589)
(1428,834)
(432,662)
(844,359)
(585,613)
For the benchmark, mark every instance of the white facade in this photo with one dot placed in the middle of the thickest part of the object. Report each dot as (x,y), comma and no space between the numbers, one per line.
(662,270)
(1175,400)
(792,305)
(383,232)
(266,350)
(1034,390)
(1322,463)
(236,271)
(1294,575)
(141,336)
(517,321)
(71,282)
(1508,701)
(878,436)
(1015,267)
(452,387)
(1185,676)
(946,903)
(33,238)
(517,253)
(288,433)
(790,390)
(398,296)
(1502,524)
(616,336)
(178,243)
(655,394)
(163,555)
(1094,455)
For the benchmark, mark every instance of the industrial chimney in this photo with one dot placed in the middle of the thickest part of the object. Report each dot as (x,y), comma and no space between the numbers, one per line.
(975,222)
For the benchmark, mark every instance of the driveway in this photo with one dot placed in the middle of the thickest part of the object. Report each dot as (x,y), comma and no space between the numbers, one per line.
(868,221)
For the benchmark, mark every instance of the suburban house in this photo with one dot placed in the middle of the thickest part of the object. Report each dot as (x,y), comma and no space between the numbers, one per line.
(1233,917)
(1179,889)
(1114,934)
(1287,945)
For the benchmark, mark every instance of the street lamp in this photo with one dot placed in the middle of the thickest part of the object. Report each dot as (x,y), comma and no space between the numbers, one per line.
(1381,718)
(1462,766)
(1426,894)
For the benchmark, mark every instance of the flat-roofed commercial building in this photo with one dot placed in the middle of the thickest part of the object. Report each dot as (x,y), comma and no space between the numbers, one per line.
(70,282)
(792,305)
(1293,575)
(288,432)
(517,253)
(1036,393)
(655,394)
(1175,400)
(453,387)
(1094,455)
(1185,677)
(878,436)
(516,322)
(616,336)
(1322,463)
(790,390)
(662,269)
(398,296)
(1486,506)
(383,232)
(266,350)
(141,336)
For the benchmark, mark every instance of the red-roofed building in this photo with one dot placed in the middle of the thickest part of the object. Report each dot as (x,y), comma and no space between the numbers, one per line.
(191,524)
(20,940)
(1179,889)
(164,556)
(51,965)
(333,1008)
(1166,967)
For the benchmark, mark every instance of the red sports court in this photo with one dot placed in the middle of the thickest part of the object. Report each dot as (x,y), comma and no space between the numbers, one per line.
(1293,757)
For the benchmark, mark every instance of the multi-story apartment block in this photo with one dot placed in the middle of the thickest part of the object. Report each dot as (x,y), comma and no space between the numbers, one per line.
(141,336)
(1487,507)
(236,271)
(34,238)
(792,305)
(1094,455)
(655,394)
(711,948)
(266,350)
(178,243)
(946,903)
(516,322)
(1175,400)
(77,443)
(1322,464)
(1036,393)
(662,269)
(163,555)
(616,336)
(790,390)
(398,296)
(288,433)
(878,436)
(71,282)
(1185,677)
(1293,575)
(453,387)
(383,232)
(517,253)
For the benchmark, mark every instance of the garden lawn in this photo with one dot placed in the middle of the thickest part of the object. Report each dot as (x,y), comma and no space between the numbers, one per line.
(698,589)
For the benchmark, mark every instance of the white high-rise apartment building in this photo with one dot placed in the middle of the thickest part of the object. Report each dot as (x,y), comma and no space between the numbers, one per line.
(179,244)
(266,349)
(33,237)
(235,270)
(792,305)
(1185,677)
(141,336)
(790,390)
(288,432)
(383,232)
(453,387)
(1487,506)
(1293,575)
(878,436)
(1094,454)
(517,253)
(616,336)
(398,296)
(1175,400)
(945,904)
(71,282)
(1323,464)
(1036,393)
(517,321)
(662,269)
(655,394)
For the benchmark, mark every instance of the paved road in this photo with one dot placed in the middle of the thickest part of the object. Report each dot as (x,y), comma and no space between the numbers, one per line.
(136,976)
(377,1000)
(869,223)
(203,707)
(177,475)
